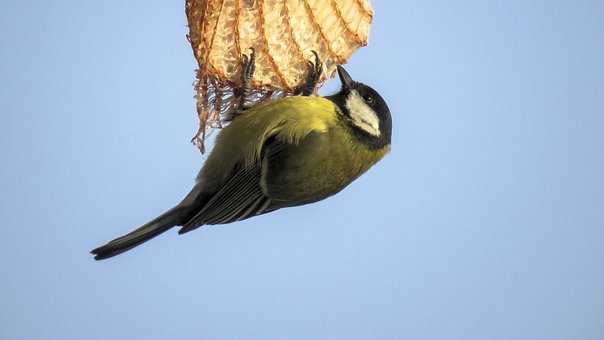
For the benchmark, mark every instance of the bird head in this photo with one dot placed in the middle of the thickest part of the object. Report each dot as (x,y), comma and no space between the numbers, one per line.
(364,110)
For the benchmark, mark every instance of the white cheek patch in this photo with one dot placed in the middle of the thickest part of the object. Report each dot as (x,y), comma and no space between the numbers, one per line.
(362,115)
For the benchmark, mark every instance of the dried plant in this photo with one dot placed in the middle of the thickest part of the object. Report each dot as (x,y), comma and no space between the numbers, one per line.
(282,32)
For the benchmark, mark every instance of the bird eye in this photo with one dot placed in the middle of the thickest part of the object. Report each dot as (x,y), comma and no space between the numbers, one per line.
(369,99)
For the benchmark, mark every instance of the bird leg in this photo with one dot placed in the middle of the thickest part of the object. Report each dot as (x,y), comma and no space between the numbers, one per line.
(315,69)
(249,66)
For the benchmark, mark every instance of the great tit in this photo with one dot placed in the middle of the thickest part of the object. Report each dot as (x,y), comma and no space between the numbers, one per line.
(282,153)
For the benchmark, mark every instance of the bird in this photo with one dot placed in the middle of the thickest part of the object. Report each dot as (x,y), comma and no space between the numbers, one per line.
(276,154)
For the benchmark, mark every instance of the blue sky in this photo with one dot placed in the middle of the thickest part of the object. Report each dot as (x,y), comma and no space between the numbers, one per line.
(485,221)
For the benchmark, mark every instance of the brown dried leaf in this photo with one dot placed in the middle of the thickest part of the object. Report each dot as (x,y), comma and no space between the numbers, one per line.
(283,34)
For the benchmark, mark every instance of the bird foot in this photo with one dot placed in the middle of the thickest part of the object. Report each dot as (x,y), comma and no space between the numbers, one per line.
(249,66)
(315,70)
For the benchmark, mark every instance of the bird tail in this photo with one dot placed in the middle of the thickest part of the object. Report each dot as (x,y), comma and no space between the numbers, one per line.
(162,223)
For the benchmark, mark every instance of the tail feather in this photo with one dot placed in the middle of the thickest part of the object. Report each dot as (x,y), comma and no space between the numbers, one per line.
(166,221)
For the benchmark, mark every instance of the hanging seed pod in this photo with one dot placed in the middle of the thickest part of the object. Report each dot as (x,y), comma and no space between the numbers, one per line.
(283,34)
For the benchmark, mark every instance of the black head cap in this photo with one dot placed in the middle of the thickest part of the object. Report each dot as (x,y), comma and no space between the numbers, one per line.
(373,100)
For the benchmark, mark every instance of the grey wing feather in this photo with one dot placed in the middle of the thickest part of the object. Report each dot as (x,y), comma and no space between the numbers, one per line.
(239,198)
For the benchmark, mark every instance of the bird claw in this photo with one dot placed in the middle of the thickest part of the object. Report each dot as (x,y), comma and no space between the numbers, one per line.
(249,67)
(315,70)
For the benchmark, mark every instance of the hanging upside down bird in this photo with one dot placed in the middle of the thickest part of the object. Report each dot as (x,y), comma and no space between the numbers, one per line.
(282,153)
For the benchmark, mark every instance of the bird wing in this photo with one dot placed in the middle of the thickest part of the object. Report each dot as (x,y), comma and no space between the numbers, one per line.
(239,198)
(240,194)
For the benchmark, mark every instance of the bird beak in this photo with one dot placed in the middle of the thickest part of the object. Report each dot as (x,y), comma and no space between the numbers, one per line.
(345,78)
